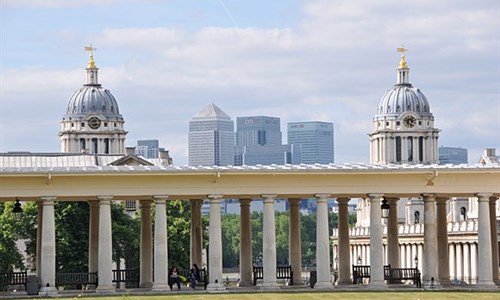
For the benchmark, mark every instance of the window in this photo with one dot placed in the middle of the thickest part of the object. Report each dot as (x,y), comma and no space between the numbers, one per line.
(463,214)
(421,149)
(106,146)
(416,217)
(94,146)
(410,149)
(130,205)
(82,145)
(398,149)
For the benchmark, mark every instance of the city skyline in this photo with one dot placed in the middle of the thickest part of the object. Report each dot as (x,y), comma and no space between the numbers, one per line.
(300,61)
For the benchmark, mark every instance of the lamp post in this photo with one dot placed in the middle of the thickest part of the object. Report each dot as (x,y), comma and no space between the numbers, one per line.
(359,260)
(17,211)
(416,261)
(385,209)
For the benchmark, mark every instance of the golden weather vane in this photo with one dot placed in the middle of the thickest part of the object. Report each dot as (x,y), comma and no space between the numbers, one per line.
(402,50)
(91,49)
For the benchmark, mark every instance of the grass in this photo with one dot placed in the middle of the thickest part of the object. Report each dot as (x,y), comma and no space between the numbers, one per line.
(386,295)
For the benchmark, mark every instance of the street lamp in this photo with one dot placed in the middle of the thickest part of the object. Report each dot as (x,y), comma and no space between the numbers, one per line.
(359,260)
(336,262)
(17,211)
(416,261)
(385,209)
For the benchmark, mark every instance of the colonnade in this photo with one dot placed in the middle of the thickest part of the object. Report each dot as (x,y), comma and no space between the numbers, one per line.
(435,255)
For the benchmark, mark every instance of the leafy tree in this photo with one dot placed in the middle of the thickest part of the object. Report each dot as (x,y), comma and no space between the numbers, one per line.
(126,236)
(179,232)
(10,258)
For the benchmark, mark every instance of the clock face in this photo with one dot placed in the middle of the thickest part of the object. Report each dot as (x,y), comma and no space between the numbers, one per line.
(94,122)
(409,121)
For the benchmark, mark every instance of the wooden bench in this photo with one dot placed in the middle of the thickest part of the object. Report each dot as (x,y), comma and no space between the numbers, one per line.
(76,279)
(282,272)
(203,277)
(127,276)
(359,272)
(13,278)
(395,275)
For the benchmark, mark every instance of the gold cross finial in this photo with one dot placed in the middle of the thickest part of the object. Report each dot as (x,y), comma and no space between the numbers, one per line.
(91,49)
(402,63)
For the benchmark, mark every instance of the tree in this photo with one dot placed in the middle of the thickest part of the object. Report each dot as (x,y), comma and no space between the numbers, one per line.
(10,257)
(179,232)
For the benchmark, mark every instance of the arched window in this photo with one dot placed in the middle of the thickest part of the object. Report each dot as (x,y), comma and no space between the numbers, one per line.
(463,214)
(398,149)
(106,146)
(417,217)
(82,145)
(94,146)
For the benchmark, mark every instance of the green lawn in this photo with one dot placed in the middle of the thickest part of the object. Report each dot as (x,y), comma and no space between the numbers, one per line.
(410,295)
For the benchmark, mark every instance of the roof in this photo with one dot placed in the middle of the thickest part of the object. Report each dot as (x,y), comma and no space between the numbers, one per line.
(211,111)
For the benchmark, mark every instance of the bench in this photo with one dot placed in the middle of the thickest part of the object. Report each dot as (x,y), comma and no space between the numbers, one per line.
(13,278)
(76,279)
(359,272)
(127,276)
(282,272)
(395,275)
(203,277)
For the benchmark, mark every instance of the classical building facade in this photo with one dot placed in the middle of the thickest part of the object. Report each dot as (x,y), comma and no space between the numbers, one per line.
(92,123)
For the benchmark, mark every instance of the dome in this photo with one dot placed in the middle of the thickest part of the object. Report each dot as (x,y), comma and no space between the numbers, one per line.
(93,99)
(401,99)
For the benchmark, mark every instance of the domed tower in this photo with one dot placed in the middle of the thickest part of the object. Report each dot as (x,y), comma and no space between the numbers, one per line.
(403,128)
(92,122)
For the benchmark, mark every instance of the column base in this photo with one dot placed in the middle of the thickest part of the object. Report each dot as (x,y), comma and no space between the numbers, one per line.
(270,286)
(323,285)
(160,287)
(146,285)
(486,285)
(48,291)
(432,285)
(243,283)
(377,285)
(105,289)
(344,281)
(216,288)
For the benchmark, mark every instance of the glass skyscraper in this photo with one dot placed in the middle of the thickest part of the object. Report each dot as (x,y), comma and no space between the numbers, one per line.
(316,139)
(259,141)
(452,155)
(211,138)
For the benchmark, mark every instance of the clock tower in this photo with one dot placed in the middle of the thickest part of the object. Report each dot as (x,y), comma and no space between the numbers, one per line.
(92,123)
(403,128)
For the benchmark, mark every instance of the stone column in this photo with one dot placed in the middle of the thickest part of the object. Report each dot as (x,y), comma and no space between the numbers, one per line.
(453,263)
(196,233)
(48,248)
(160,282)
(430,263)
(376,245)
(344,262)
(39,238)
(245,243)
(442,246)
(322,242)
(460,259)
(484,241)
(473,260)
(269,244)
(494,240)
(146,250)
(393,233)
(105,257)
(93,236)
(466,257)
(215,246)
(294,240)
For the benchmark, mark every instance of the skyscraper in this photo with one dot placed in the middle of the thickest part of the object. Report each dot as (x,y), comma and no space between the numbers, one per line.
(452,155)
(316,139)
(211,138)
(259,141)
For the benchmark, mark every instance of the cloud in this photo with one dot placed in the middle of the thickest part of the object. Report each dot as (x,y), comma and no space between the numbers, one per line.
(334,65)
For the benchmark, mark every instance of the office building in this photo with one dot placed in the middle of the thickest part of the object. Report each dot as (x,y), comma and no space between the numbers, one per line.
(259,141)
(211,138)
(316,140)
(452,155)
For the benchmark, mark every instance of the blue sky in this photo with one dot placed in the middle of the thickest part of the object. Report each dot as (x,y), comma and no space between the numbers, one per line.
(298,60)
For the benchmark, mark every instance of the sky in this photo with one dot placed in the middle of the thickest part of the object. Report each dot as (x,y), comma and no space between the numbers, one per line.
(316,60)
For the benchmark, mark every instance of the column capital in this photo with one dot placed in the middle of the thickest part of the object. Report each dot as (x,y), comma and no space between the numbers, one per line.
(245,202)
(483,196)
(215,197)
(93,203)
(294,201)
(159,198)
(493,200)
(429,197)
(269,196)
(322,195)
(375,196)
(343,200)
(441,201)
(392,200)
(145,203)
(48,200)
(105,199)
